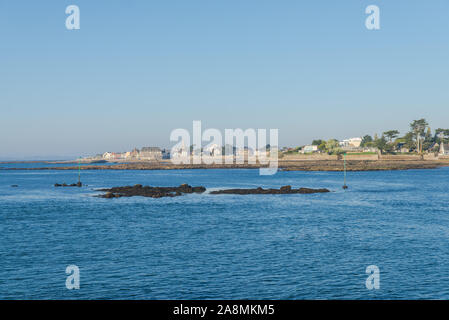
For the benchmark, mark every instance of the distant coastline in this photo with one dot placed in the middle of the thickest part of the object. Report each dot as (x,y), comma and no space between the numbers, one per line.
(53,161)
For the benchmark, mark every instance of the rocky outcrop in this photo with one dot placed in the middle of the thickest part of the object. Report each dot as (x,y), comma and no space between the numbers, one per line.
(78,184)
(147,191)
(282,190)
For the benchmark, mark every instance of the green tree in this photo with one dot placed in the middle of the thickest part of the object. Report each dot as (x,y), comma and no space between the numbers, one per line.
(367,141)
(381,144)
(322,147)
(332,146)
(418,127)
(390,135)
(408,141)
(317,142)
(441,135)
(429,140)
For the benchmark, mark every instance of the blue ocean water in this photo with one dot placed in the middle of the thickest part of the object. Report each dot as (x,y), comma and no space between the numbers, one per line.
(205,246)
(49,164)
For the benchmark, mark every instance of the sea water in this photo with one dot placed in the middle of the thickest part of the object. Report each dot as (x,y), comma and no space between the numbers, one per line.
(201,246)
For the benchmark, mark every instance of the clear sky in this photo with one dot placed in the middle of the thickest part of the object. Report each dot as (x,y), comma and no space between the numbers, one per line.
(136,70)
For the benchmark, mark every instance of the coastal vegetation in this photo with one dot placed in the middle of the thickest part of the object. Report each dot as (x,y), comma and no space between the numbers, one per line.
(418,140)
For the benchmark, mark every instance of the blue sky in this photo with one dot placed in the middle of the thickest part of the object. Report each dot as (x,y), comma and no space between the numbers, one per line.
(136,70)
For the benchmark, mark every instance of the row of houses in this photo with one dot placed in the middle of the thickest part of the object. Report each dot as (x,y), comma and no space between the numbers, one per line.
(217,150)
(156,153)
(146,153)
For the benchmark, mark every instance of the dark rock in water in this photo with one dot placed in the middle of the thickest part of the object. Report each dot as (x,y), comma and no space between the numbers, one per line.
(147,191)
(14,186)
(110,195)
(282,190)
(78,184)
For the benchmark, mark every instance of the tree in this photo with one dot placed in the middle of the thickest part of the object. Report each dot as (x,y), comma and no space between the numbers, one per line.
(381,143)
(390,135)
(367,141)
(332,146)
(317,142)
(429,140)
(417,128)
(322,147)
(408,141)
(441,135)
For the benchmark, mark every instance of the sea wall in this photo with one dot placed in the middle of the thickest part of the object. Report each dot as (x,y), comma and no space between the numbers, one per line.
(326,157)
(430,156)
(362,157)
(401,157)
(312,157)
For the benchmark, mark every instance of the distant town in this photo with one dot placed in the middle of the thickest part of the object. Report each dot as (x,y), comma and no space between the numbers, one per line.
(419,140)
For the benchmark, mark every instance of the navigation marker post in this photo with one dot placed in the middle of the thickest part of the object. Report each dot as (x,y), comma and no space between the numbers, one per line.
(79,184)
(344,185)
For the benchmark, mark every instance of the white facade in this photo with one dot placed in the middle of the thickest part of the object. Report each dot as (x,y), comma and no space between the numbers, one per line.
(444,149)
(107,155)
(308,149)
(212,150)
(351,143)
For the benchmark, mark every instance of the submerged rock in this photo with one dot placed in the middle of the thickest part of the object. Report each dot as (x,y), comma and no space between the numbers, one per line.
(282,190)
(147,191)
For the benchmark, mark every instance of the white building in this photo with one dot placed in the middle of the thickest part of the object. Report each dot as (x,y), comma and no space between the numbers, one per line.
(150,153)
(351,143)
(212,150)
(108,155)
(180,152)
(310,149)
(444,149)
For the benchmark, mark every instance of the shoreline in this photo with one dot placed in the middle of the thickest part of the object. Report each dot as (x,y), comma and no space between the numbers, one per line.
(289,165)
